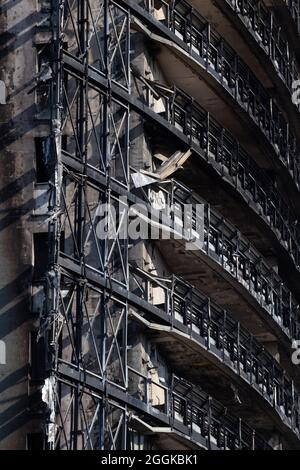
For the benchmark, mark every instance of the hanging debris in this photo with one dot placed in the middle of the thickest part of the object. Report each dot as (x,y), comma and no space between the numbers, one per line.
(48,397)
(172,164)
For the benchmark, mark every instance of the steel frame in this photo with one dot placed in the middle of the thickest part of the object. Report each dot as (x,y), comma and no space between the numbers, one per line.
(86,328)
(86,313)
(207,139)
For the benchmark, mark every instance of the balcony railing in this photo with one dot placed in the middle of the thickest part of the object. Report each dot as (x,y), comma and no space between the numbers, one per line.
(225,337)
(294,8)
(198,414)
(232,160)
(268,32)
(210,49)
(233,252)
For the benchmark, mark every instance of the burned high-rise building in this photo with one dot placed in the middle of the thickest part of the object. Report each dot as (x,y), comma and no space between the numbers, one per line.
(149,244)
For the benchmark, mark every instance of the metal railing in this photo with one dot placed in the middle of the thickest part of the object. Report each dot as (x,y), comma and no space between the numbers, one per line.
(233,252)
(220,333)
(198,414)
(217,144)
(269,33)
(207,46)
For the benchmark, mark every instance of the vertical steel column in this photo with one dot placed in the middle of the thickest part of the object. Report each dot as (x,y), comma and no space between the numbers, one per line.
(105,140)
(80,206)
(49,321)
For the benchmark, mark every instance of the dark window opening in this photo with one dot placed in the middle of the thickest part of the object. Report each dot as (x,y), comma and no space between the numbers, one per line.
(40,243)
(40,166)
(44,76)
(35,441)
(43,56)
(62,243)
(64,142)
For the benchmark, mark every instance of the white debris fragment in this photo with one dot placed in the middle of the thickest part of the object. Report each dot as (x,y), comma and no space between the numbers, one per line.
(2,352)
(48,397)
(2,92)
(140,180)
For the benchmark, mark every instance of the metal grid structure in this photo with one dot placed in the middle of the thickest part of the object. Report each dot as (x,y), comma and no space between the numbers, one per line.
(93,293)
(79,316)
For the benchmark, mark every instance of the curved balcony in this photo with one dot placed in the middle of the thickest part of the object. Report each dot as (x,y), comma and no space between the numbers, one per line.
(136,390)
(199,416)
(230,256)
(261,22)
(225,254)
(195,36)
(198,321)
(188,124)
(221,150)
(185,414)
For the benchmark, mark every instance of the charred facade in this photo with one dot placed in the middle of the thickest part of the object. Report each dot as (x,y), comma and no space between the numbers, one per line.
(119,343)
